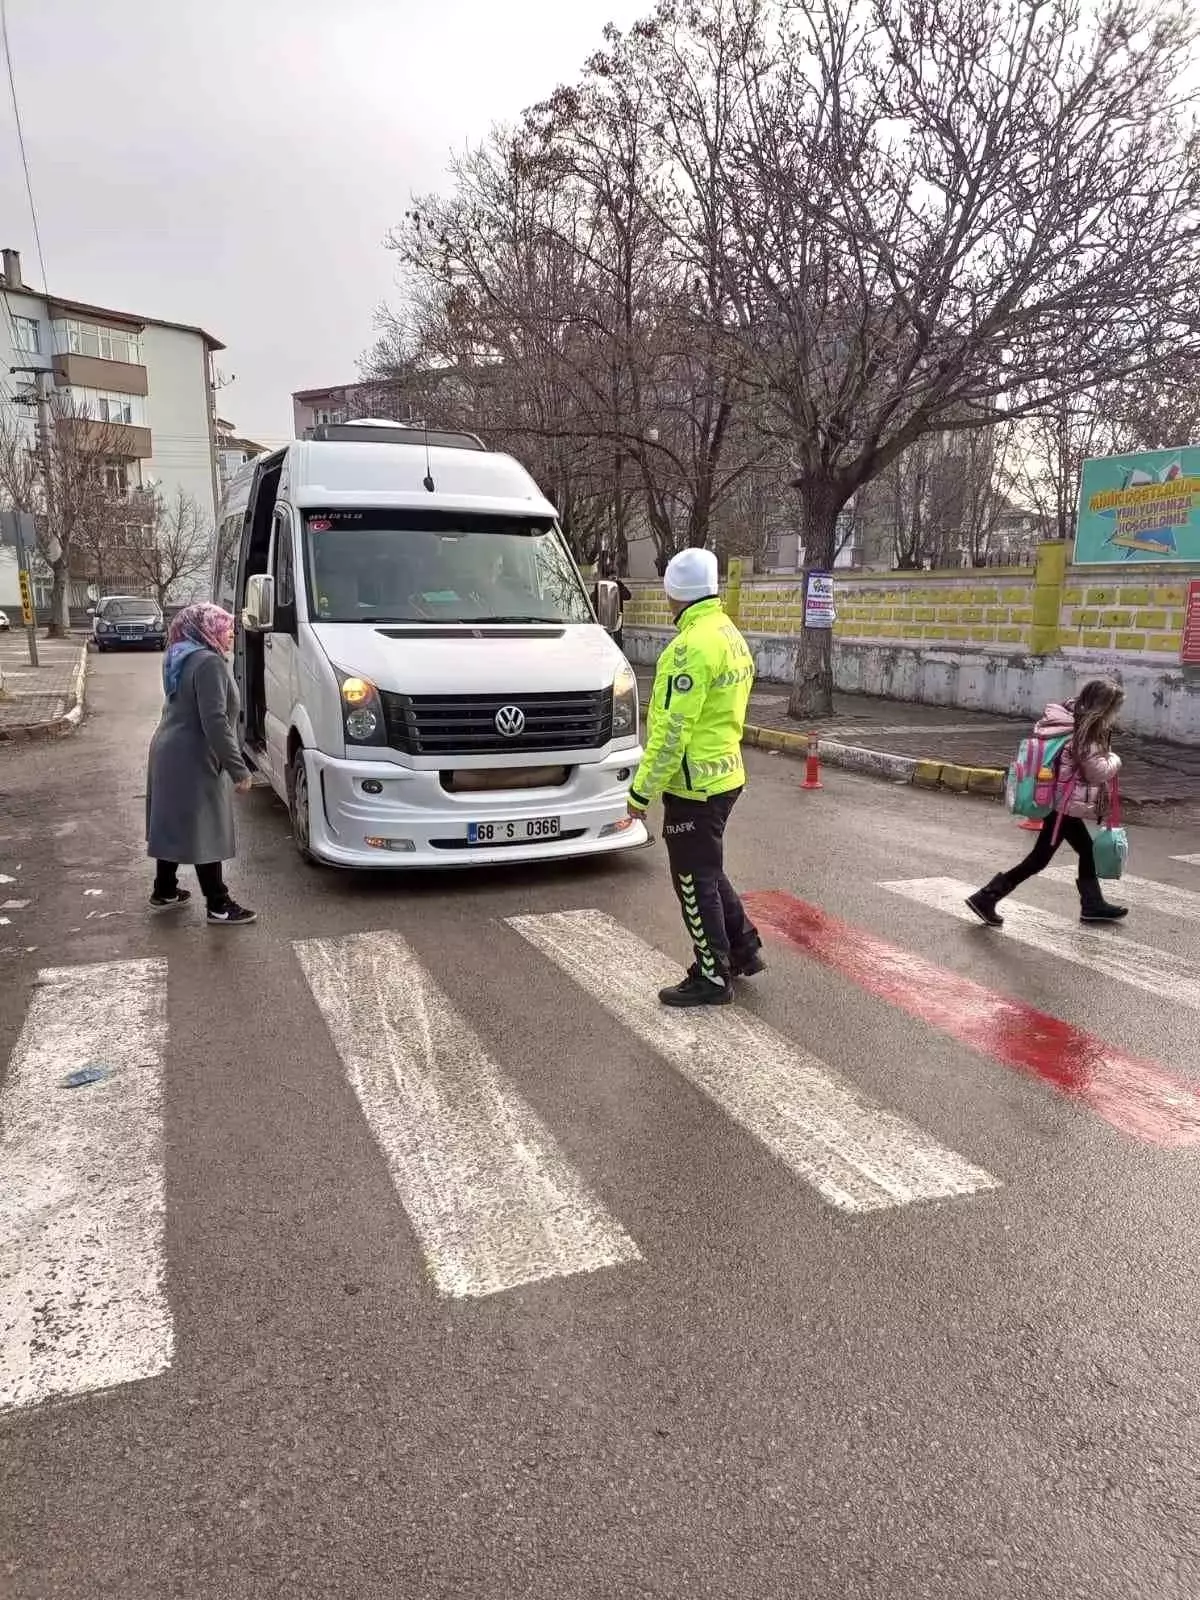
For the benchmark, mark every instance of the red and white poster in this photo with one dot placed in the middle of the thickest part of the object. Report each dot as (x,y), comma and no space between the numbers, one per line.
(1190,652)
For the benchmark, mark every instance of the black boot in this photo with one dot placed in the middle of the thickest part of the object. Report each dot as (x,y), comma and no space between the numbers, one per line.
(983,901)
(1093,906)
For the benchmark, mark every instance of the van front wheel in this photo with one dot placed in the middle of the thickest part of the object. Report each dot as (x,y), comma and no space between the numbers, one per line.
(298,795)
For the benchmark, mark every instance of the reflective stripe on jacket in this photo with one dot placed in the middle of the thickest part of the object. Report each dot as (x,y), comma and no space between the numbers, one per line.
(698,710)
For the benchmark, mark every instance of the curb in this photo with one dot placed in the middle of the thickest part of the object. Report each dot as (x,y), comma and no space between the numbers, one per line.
(32,732)
(915,770)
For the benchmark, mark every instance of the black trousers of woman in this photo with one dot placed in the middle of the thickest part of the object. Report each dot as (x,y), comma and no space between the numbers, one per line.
(210,874)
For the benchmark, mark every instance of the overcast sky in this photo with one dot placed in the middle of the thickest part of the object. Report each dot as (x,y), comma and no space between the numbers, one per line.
(236,163)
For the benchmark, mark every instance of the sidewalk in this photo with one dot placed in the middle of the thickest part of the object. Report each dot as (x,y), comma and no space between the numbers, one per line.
(42,701)
(943,747)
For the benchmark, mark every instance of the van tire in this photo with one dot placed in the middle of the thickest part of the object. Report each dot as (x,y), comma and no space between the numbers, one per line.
(299,801)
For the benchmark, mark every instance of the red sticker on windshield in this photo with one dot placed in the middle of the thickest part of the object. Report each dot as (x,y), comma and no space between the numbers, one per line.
(320,524)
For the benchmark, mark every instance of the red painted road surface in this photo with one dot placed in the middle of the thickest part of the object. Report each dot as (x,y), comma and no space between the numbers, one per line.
(1135,1096)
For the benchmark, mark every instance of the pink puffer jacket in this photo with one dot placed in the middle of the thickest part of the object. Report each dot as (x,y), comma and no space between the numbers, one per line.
(1090,796)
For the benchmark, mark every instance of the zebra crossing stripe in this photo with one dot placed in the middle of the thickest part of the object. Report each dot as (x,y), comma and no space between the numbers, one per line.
(1135,1096)
(493,1202)
(1143,893)
(1108,951)
(82,1300)
(857,1156)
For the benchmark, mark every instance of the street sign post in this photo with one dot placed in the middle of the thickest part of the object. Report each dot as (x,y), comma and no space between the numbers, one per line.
(18,529)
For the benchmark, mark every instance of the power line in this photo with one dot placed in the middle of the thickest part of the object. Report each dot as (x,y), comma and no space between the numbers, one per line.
(12,86)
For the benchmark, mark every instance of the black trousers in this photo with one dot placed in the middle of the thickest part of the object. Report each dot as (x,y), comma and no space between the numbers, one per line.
(1074,831)
(210,874)
(716,921)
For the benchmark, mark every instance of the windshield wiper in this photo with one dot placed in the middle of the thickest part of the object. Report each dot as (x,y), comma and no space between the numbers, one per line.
(552,620)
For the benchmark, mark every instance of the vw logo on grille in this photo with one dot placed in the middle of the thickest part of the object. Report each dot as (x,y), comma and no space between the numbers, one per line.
(510,721)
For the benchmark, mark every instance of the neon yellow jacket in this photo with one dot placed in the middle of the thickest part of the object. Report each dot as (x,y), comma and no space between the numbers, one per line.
(697,710)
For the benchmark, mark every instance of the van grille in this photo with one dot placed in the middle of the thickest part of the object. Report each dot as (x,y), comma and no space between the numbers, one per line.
(453,724)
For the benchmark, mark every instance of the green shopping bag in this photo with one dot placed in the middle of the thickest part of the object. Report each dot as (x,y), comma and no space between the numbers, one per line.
(1110,845)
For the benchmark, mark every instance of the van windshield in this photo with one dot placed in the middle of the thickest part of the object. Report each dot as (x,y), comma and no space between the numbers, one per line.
(439,566)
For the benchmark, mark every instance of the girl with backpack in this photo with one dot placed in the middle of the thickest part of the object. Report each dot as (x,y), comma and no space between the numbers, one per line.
(1086,770)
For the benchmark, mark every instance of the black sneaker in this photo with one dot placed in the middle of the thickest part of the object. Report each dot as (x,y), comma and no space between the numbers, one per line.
(749,966)
(697,991)
(168,902)
(231,915)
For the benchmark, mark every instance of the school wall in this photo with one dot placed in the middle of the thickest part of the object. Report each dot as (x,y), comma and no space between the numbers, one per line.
(1005,640)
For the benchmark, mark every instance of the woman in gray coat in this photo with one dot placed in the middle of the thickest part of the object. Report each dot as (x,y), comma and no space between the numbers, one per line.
(195,765)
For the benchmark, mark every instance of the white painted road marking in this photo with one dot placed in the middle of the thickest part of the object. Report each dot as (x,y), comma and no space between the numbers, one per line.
(82,1300)
(856,1155)
(1147,893)
(491,1198)
(1104,950)
(1188,861)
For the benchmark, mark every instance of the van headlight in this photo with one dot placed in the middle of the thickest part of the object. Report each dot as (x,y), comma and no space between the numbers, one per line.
(625,704)
(362,710)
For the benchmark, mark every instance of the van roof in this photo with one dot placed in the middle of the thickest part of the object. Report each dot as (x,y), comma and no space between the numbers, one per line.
(337,473)
(322,473)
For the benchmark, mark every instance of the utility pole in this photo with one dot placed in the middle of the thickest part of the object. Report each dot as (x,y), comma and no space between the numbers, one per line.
(45,449)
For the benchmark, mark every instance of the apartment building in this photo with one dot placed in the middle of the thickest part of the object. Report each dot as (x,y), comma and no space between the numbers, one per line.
(343,402)
(149,380)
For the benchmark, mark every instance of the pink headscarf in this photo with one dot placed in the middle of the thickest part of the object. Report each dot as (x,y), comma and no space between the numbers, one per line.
(203,624)
(199,627)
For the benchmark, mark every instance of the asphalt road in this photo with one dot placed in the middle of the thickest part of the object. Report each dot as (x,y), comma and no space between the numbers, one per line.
(743,1359)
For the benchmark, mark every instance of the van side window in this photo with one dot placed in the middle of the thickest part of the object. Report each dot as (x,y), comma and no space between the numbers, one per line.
(285,571)
(229,548)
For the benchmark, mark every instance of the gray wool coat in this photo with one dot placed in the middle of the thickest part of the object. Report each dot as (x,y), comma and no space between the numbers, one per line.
(194,763)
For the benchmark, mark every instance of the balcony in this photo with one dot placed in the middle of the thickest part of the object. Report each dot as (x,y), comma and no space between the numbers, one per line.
(111,438)
(94,372)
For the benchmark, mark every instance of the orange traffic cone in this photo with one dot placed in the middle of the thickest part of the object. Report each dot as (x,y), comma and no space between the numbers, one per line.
(812,765)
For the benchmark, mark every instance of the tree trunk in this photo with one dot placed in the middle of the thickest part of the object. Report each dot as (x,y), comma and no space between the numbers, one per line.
(811,698)
(59,626)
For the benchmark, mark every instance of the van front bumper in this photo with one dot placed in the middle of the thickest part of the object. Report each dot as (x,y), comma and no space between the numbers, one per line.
(417,823)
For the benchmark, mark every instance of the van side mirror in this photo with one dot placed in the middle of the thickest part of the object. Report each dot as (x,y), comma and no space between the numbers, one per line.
(608,604)
(258,613)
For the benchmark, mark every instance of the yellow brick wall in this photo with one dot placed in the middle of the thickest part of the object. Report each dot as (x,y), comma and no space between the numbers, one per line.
(988,609)
(1127,612)
(1137,611)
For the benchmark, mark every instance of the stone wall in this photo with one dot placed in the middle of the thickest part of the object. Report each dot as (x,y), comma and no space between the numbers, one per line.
(1005,640)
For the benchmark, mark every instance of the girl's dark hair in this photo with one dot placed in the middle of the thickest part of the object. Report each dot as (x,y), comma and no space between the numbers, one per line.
(1095,708)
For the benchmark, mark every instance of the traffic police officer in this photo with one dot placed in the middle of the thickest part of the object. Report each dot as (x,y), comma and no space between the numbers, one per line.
(694,760)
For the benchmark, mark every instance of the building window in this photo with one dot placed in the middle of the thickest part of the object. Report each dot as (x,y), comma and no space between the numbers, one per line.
(108,405)
(115,408)
(27,335)
(121,477)
(104,344)
(328,416)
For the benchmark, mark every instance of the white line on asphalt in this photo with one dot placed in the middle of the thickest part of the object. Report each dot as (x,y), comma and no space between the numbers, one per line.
(1146,893)
(1105,950)
(1188,861)
(82,1299)
(492,1200)
(856,1155)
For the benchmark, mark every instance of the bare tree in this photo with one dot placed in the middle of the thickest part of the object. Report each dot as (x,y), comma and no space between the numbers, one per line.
(63,482)
(176,545)
(939,216)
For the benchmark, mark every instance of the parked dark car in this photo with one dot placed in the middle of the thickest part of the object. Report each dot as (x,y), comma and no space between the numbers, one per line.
(125,622)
